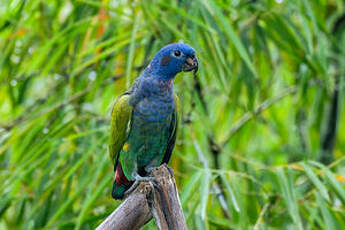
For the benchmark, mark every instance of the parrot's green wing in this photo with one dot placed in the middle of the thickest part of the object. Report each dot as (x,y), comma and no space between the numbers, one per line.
(173,128)
(119,127)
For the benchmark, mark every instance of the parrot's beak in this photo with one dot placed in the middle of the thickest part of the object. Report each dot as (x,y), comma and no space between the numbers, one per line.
(190,64)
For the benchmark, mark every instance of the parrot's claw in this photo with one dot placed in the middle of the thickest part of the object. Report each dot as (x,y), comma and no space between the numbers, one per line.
(132,188)
(149,169)
(139,178)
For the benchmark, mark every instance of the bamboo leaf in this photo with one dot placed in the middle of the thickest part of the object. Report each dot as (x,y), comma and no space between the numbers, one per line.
(289,196)
(315,180)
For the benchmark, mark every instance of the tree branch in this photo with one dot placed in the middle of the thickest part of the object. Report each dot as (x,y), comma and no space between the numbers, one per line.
(160,201)
(133,213)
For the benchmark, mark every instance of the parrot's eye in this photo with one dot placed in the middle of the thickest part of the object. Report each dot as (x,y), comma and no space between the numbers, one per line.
(177,53)
(192,56)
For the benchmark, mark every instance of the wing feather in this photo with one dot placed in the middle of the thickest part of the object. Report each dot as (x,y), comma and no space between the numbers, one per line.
(120,120)
(173,128)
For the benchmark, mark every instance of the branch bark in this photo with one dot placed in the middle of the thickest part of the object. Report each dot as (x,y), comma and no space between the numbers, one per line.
(160,201)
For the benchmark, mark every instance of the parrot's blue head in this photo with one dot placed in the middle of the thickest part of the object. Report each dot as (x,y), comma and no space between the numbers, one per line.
(172,59)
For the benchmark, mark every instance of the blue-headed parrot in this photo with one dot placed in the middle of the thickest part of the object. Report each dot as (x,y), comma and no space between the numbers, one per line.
(144,119)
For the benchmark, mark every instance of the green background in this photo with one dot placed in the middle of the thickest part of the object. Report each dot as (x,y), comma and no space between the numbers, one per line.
(261,122)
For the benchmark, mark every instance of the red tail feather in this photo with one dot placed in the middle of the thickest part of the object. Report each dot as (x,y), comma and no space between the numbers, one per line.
(120,177)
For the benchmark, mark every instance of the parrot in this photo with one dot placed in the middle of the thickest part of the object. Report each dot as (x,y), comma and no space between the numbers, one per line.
(144,119)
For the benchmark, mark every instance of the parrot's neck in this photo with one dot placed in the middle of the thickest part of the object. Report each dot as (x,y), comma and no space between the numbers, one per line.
(156,71)
(151,87)
(157,86)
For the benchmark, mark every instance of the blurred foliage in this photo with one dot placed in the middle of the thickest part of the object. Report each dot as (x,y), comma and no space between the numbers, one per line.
(264,110)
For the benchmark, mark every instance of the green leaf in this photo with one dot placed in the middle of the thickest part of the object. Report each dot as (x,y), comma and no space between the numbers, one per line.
(315,180)
(335,185)
(288,193)
(205,192)
(190,187)
(230,192)
(326,215)
(230,32)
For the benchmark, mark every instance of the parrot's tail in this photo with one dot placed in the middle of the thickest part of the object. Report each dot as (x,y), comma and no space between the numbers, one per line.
(121,183)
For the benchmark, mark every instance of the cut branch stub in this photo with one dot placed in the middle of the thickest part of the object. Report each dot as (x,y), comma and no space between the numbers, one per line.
(166,205)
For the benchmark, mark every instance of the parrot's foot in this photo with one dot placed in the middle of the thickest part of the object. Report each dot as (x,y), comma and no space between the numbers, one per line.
(139,178)
(137,181)
(149,169)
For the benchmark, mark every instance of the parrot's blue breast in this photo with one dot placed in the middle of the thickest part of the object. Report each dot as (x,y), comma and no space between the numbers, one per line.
(151,121)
